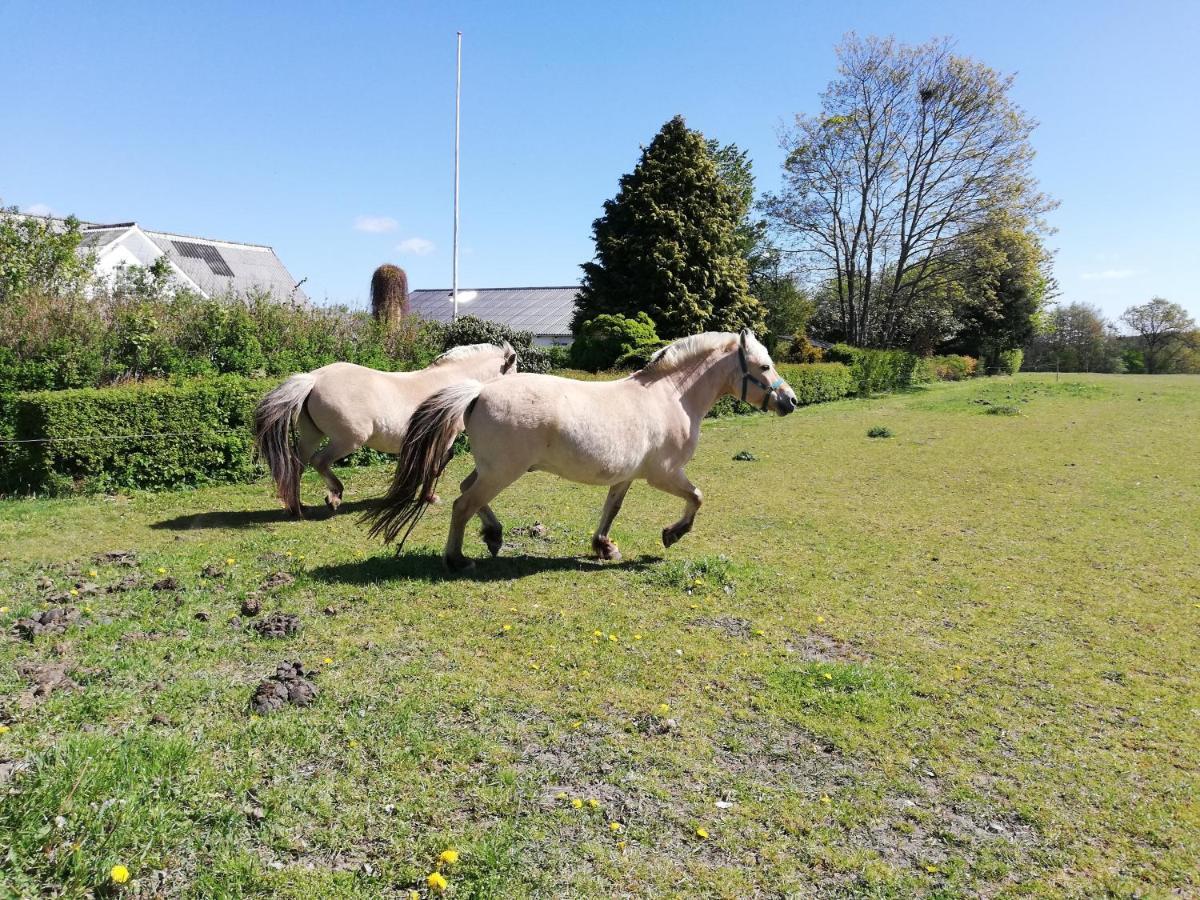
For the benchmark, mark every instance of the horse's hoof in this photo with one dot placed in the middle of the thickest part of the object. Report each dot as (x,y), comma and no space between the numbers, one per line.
(432,499)
(494,538)
(669,537)
(606,549)
(457,563)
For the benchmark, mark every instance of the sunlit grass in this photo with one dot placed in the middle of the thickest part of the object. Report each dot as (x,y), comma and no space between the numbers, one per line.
(956,662)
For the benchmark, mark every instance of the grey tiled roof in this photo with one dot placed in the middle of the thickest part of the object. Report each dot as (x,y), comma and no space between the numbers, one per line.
(543,310)
(221,266)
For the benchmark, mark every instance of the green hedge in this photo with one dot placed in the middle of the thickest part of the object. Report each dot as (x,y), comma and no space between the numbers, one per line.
(878,371)
(158,435)
(171,436)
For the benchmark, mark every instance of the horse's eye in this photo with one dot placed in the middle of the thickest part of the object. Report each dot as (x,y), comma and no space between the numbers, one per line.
(766,368)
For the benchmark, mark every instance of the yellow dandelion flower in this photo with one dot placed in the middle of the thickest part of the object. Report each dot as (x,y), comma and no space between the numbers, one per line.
(93,573)
(561,795)
(506,627)
(663,708)
(825,799)
(698,581)
(820,620)
(759,632)
(301,556)
(448,857)
(827,676)
(4,729)
(613,638)
(119,874)
(576,724)
(512,609)
(637,637)
(353,743)
(414,895)
(615,827)
(702,834)
(73,592)
(328,660)
(436,882)
(931,869)
(577,803)
(289,553)
(534,666)
(161,571)
(3,610)
(593,803)
(621,845)
(229,561)
(597,633)
(694,606)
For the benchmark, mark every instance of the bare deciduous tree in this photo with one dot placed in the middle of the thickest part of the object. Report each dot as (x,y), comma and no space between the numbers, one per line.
(915,149)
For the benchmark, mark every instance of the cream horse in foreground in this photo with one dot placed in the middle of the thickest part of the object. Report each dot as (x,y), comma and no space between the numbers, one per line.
(610,433)
(355,407)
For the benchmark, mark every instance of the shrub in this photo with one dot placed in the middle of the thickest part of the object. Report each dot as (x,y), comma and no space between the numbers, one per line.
(880,431)
(1004,410)
(473,330)
(953,368)
(614,341)
(799,350)
(179,435)
(1010,361)
(877,371)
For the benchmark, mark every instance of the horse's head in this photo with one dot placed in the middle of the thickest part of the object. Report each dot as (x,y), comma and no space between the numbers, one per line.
(755,379)
(482,362)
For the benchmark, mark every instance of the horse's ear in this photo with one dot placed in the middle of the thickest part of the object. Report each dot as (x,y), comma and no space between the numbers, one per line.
(510,357)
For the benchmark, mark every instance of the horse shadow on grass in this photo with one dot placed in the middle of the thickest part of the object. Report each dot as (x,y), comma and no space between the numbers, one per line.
(426,565)
(256,518)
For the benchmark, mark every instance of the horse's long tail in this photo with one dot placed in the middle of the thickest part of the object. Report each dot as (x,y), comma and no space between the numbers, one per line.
(273,420)
(426,450)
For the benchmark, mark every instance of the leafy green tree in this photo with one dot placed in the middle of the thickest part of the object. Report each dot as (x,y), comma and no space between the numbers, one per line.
(668,244)
(1078,338)
(40,255)
(1164,330)
(614,341)
(1005,280)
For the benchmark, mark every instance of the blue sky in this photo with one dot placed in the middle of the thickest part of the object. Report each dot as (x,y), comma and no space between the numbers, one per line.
(326,130)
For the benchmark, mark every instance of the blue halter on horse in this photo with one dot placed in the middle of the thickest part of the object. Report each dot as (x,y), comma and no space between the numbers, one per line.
(748,376)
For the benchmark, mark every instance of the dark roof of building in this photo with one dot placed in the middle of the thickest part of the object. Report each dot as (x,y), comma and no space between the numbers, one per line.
(543,310)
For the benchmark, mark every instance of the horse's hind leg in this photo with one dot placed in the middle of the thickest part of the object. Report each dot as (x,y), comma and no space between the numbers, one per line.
(473,500)
(677,483)
(337,448)
(308,439)
(605,547)
(491,530)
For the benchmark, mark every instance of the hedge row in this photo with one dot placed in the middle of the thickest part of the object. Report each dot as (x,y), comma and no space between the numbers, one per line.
(159,435)
(149,436)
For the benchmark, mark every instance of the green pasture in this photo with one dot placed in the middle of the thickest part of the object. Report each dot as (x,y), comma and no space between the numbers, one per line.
(959,660)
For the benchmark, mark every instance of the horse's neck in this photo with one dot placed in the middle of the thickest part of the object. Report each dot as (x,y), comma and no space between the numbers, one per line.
(698,386)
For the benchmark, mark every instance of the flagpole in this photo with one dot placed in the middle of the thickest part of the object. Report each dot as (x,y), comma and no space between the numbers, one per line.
(457,125)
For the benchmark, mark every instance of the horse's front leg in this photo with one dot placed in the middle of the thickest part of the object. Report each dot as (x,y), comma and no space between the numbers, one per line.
(677,483)
(605,547)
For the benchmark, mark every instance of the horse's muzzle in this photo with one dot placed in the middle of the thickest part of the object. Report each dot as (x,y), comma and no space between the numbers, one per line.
(784,405)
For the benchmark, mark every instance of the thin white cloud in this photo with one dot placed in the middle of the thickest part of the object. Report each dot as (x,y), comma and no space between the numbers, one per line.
(1108,274)
(375,224)
(417,246)
(38,209)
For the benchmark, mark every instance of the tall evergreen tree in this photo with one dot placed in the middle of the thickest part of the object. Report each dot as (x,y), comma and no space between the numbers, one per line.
(667,244)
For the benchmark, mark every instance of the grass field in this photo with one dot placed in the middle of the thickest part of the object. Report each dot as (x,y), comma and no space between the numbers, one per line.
(957,661)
